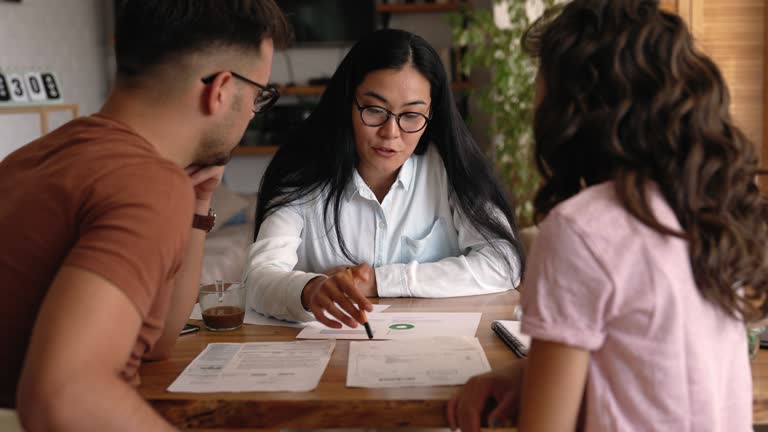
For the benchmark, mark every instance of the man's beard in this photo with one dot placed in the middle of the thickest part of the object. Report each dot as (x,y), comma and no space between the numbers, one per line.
(213,150)
(210,153)
(210,156)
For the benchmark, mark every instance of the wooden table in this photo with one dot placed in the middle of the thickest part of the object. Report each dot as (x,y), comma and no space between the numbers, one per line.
(331,404)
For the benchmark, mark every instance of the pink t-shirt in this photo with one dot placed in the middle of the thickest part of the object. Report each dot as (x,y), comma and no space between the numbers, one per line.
(661,357)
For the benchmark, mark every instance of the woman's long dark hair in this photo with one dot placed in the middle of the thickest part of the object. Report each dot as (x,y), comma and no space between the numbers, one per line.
(627,97)
(322,157)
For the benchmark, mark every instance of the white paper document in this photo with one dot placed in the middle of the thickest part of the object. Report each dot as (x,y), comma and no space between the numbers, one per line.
(401,325)
(434,361)
(255,367)
(255,318)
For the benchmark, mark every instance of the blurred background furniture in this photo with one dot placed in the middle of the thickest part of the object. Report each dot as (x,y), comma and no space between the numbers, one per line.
(226,246)
(9,422)
(27,122)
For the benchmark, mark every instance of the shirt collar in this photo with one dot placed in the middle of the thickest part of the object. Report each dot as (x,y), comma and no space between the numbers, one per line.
(406,174)
(358,185)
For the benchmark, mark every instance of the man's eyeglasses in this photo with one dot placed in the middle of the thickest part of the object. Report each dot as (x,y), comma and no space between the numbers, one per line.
(267,96)
(375,116)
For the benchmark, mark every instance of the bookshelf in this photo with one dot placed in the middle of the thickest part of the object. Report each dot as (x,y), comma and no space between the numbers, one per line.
(318,90)
(418,7)
(41,110)
(386,10)
(303,90)
(255,150)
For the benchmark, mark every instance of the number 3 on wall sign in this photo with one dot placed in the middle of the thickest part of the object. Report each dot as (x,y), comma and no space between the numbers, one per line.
(29,87)
(17,88)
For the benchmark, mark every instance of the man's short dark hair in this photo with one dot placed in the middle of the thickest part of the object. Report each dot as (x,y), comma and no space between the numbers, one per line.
(149,33)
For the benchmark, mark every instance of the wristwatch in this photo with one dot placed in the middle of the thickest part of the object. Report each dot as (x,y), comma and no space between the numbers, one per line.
(204,222)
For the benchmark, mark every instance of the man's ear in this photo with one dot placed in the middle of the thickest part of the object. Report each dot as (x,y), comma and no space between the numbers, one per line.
(217,92)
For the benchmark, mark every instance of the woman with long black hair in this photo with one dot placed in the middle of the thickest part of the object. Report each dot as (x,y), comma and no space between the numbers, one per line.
(382,192)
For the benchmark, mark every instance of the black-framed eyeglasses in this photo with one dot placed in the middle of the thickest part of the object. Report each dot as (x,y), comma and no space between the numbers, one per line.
(267,96)
(408,121)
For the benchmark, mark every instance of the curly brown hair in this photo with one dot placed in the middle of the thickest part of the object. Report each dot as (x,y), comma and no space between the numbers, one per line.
(627,97)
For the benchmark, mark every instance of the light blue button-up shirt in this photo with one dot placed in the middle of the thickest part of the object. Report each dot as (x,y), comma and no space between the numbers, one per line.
(418,242)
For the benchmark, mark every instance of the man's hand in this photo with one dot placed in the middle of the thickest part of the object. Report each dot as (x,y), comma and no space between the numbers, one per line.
(205,181)
(337,292)
(499,390)
(185,283)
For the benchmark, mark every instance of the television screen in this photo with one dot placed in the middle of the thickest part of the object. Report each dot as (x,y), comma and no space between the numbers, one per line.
(329,21)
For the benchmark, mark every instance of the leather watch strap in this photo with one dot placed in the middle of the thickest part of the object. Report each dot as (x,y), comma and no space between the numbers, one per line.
(204,222)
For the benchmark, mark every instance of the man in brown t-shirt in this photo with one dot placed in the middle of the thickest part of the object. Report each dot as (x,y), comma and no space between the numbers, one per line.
(100,261)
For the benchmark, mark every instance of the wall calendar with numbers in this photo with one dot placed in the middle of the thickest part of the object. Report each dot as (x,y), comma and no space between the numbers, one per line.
(34,87)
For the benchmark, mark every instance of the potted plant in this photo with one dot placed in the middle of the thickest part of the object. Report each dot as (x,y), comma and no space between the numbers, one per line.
(491,39)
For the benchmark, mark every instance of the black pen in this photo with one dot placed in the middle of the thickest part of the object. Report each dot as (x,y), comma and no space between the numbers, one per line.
(367,326)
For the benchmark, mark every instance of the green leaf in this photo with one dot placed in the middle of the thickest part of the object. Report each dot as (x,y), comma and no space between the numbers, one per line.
(507,98)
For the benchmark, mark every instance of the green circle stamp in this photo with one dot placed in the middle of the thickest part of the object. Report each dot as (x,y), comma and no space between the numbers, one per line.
(401,326)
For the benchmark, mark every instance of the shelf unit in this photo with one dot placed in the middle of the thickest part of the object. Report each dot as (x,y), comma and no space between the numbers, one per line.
(386,10)
(318,90)
(42,111)
(669,5)
(303,90)
(254,150)
(418,7)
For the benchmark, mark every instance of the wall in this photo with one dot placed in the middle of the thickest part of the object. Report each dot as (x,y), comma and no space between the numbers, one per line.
(65,37)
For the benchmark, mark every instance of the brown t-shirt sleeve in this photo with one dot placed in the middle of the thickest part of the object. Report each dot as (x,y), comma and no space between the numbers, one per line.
(134,228)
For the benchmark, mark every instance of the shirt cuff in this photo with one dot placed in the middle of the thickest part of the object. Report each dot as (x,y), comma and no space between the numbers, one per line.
(568,334)
(391,281)
(293,297)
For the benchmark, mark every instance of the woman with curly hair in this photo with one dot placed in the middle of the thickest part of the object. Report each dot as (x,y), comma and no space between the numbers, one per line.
(652,248)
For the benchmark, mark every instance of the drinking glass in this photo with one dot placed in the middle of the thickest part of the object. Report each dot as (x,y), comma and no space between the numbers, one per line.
(222,305)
